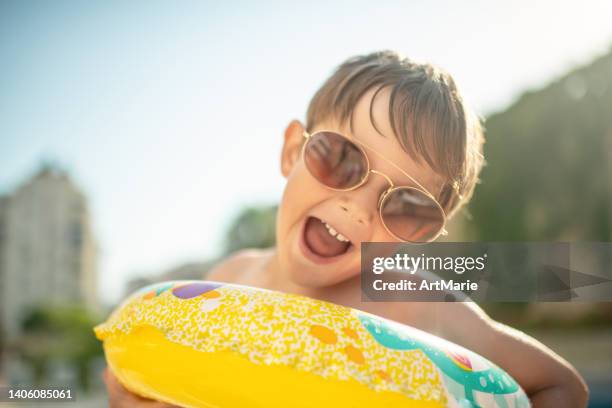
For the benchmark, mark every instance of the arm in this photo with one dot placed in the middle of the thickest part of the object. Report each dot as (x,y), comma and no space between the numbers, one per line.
(234,267)
(224,270)
(548,379)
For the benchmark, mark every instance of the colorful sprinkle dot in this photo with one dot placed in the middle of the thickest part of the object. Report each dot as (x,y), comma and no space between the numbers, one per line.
(213,294)
(149,295)
(350,333)
(354,354)
(324,334)
(483,381)
(191,290)
(461,360)
(161,289)
(207,305)
(384,375)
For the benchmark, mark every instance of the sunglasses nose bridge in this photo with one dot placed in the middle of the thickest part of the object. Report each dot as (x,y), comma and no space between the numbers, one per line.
(381,197)
(384,176)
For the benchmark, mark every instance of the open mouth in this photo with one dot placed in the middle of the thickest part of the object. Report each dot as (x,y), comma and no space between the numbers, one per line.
(323,241)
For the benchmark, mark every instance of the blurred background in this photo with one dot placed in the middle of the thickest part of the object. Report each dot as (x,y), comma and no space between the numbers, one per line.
(140,141)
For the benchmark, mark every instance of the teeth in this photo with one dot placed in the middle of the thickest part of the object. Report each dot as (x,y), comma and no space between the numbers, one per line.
(341,238)
(331,231)
(335,233)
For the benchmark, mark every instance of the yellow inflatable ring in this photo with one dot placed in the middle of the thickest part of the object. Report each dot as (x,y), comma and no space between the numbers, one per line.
(209,344)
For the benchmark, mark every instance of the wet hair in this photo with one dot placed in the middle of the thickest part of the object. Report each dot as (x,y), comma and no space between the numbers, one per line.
(427,114)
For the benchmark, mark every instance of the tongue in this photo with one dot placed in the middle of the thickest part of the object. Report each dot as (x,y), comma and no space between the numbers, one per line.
(320,241)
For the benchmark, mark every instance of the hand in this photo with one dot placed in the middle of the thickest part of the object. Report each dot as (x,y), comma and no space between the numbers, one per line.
(120,397)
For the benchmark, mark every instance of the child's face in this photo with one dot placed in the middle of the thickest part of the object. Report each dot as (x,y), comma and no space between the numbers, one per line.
(307,251)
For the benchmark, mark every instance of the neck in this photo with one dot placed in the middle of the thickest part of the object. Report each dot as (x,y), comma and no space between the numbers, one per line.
(278,279)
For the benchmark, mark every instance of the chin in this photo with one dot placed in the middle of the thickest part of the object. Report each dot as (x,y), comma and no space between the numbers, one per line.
(314,279)
(301,273)
(309,270)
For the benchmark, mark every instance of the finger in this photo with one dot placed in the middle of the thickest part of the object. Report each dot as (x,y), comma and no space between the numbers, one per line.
(116,390)
(122,397)
(119,396)
(112,384)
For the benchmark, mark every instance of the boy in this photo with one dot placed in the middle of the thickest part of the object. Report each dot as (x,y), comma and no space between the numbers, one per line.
(383,121)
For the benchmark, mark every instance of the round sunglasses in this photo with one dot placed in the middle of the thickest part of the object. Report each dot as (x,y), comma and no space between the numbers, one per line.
(408,213)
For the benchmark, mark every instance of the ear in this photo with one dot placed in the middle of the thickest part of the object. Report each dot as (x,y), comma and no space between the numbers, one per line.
(294,137)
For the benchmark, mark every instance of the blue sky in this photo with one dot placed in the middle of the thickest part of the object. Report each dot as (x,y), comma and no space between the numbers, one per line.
(169,115)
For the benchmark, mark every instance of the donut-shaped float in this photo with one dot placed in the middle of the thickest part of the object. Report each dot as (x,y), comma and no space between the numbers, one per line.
(209,344)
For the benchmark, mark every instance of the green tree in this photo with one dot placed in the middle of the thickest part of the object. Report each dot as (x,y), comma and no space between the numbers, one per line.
(59,333)
(254,227)
(549,163)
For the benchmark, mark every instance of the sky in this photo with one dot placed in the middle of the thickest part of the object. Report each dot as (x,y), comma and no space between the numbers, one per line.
(169,115)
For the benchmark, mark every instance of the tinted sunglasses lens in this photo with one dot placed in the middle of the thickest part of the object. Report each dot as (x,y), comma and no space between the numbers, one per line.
(335,161)
(412,215)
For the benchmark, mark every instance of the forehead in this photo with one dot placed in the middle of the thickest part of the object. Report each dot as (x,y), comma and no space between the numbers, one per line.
(385,142)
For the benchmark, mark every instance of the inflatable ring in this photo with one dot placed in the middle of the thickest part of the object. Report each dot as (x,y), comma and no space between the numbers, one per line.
(209,344)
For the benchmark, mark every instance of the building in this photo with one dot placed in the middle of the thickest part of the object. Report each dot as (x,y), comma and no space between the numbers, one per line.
(47,250)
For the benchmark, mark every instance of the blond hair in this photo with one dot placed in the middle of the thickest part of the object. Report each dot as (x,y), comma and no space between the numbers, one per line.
(427,114)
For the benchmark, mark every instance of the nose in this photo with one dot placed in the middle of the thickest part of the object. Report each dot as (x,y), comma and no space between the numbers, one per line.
(361,204)
(354,212)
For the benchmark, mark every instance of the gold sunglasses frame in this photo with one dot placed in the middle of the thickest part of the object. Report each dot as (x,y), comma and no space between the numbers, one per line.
(385,194)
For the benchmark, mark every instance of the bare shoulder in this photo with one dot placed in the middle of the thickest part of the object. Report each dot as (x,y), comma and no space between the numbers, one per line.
(232,268)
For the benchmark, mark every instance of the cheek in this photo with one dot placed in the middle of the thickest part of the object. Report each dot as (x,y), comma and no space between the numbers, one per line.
(301,193)
(380,233)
